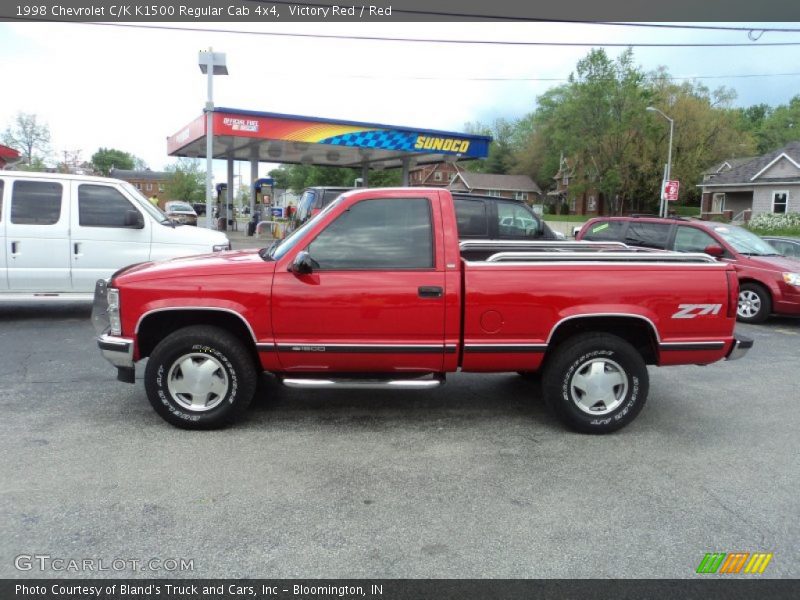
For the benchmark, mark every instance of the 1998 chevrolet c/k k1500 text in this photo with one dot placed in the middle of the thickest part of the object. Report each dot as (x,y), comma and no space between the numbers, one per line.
(377,291)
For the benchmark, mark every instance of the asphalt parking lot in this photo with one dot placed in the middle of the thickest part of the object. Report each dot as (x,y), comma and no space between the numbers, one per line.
(475,479)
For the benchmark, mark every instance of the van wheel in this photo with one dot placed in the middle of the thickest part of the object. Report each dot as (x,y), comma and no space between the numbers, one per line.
(755,303)
(595,383)
(200,378)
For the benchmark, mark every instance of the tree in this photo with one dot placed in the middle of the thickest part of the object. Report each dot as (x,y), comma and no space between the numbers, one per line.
(501,159)
(187,181)
(106,159)
(779,127)
(30,137)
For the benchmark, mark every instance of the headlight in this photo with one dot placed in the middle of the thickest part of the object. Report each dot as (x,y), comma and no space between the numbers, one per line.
(792,278)
(113,311)
(221,247)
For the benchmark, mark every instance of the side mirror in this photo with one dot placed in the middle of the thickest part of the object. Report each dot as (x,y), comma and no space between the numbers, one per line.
(134,219)
(714,250)
(303,264)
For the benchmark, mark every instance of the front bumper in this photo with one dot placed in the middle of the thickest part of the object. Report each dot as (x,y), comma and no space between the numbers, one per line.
(741,344)
(116,350)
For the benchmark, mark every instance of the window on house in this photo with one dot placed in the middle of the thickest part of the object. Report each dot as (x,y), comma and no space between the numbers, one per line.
(718,203)
(161,188)
(780,201)
(149,187)
(520,195)
(438,176)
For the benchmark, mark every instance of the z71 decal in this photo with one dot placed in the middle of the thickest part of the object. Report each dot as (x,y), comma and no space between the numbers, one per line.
(690,311)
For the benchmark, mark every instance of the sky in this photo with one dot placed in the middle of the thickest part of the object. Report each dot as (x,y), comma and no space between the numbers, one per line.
(127,88)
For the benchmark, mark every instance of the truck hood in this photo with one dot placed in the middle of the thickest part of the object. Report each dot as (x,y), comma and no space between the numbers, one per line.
(232,262)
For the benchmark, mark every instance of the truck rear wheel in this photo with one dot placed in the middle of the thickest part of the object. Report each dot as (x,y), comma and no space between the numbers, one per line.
(200,378)
(595,383)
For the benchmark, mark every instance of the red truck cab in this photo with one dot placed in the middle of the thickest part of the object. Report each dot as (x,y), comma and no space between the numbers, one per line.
(374,292)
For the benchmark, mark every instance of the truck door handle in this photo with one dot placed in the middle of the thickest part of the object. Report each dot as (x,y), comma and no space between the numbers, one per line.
(430,291)
(76,248)
(14,248)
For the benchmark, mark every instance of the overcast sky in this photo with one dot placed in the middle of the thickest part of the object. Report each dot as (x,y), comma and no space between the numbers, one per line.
(130,88)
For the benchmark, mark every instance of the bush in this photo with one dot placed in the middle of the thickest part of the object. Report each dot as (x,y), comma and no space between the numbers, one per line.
(776,224)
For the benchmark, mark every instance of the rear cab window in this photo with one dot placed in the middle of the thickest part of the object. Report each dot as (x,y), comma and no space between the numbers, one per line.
(648,235)
(471,218)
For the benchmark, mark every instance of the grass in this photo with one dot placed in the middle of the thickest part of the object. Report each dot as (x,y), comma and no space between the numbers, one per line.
(786,232)
(570,218)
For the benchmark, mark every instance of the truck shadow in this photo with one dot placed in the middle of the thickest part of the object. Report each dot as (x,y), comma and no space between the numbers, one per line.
(46,311)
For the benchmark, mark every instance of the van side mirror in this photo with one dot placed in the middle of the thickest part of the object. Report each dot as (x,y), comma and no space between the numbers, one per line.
(134,219)
(714,250)
(303,264)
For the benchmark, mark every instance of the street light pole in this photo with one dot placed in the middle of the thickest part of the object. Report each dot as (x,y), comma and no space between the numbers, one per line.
(211,63)
(663,208)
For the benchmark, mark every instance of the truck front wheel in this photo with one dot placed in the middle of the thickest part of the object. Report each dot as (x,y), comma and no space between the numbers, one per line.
(595,383)
(200,378)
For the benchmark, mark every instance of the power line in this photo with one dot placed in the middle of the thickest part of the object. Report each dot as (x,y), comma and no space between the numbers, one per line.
(418,40)
(483,16)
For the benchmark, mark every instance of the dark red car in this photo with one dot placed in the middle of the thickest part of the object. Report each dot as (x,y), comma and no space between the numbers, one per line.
(768,282)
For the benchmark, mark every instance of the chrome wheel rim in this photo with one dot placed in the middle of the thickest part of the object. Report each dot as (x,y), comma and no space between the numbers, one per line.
(749,304)
(197,382)
(598,386)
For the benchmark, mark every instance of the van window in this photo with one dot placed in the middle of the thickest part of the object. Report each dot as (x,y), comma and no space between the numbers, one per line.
(386,233)
(36,203)
(692,239)
(101,206)
(647,235)
(605,230)
(471,218)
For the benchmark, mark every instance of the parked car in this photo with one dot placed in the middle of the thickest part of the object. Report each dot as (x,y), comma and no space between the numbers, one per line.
(181,212)
(786,246)
(59,233)
(374,292)
(768,282)
(493,218)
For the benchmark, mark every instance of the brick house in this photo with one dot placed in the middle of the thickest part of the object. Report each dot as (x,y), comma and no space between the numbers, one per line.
(589,202)
(150,183)
(741,187)
(519,187)
(433,175)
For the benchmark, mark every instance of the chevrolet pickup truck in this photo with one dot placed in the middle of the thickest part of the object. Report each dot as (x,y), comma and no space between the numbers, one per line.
(375,292)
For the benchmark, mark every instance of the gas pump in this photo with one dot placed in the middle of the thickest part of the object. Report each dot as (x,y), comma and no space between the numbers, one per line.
(264,193)
(223,210)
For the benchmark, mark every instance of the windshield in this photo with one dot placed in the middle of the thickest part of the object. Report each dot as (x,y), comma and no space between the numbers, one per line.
(179,207)
(300,232)
(148,206)
(744,241)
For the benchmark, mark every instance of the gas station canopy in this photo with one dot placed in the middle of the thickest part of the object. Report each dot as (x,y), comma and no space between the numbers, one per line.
(278,138)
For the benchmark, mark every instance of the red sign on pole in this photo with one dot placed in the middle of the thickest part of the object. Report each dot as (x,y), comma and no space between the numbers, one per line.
(671,190)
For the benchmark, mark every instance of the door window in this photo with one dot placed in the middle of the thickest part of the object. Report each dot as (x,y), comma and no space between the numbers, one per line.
(691,239)
(647,235)
(388,233)
(514,221)
(36,203)
(101,206)
(605,230)
(471,218)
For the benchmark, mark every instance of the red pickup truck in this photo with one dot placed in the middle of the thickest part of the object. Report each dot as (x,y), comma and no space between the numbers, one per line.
(375,291)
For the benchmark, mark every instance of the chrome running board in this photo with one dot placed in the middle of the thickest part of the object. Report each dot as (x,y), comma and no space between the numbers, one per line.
(363,384)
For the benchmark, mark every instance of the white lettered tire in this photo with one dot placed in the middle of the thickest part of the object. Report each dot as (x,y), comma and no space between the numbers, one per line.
(200,377)
(595,383)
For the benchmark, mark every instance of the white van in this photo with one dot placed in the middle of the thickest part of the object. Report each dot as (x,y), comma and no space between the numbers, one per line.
(61,233)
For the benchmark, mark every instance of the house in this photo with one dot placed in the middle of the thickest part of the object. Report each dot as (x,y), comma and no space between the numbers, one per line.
(519,187)
(587,202)
(8,156)
(740,188)
(433,175)
(150,183)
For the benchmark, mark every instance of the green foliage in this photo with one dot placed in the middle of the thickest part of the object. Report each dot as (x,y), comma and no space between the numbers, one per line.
(187,182)
(30,138)
(299,177)
(774,224)
(106,159)
(779,127)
